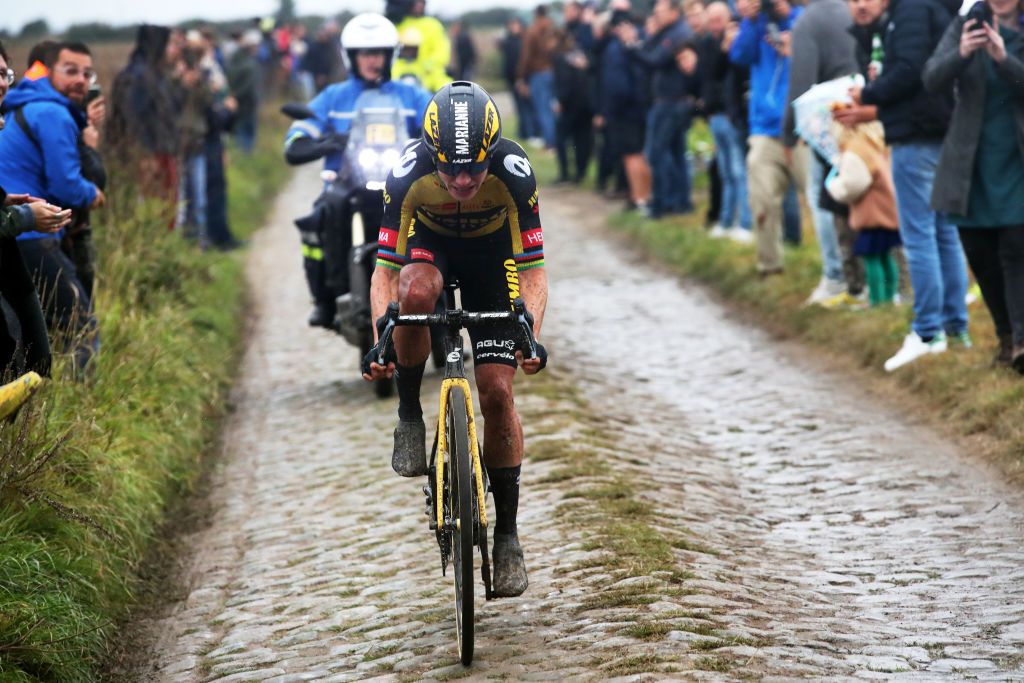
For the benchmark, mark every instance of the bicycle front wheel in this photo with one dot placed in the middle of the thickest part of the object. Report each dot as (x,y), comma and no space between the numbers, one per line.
(460,494)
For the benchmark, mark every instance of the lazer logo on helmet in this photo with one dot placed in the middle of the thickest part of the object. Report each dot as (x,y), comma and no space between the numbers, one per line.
(461,128)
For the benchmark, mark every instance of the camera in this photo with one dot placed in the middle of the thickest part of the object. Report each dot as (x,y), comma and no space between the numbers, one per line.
(979,12)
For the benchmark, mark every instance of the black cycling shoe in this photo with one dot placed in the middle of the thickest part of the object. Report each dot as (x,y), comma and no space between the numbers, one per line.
(509,567)
(322,316)
(409,458)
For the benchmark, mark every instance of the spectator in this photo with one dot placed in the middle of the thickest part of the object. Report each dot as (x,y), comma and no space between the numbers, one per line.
(24,346)
(143,121)
(435,51)
(762,45)
(574,102)
(323,60)
(77,240)
(864,181)
(219,116)
(511,48)
(672,110)
(579,27)
(193,128)
(40,157)
(722,95)
(465,51)
(243,74)
(980,177)
(822,50)
(696,16)
(609,163)
(535,74)
(623,107)
(915,122)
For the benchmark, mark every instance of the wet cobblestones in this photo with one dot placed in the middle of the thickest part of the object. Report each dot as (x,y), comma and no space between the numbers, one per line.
(821,537)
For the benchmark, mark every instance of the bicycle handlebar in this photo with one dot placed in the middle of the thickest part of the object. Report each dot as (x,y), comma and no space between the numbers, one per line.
(460,318)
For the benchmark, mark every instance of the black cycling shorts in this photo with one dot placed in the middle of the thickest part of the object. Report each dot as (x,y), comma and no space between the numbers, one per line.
(488,281)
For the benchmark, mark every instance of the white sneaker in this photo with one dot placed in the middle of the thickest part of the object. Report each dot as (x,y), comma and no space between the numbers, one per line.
(738,233)
(827,288)
(913,348)
(719,231)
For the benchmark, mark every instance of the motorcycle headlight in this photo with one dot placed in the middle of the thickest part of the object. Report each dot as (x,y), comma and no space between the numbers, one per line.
(368,158)
(390,158)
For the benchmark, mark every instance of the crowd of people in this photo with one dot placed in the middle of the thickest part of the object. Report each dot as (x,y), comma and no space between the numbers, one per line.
(160,129)
(918,179)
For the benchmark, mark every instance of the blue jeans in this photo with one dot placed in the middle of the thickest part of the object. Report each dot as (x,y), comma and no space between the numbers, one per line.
(245,131)
(193,191)
(524,114)
(665,150)
(935,257)
(824,223)
(732,169)
(542,94)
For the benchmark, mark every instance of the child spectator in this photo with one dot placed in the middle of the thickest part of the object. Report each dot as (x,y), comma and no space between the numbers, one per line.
(863,179)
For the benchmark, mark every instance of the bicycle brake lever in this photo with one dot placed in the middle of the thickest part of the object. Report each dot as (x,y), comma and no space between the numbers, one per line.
(384,342)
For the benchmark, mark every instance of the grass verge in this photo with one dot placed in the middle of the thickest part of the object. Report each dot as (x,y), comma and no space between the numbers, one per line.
(88,470)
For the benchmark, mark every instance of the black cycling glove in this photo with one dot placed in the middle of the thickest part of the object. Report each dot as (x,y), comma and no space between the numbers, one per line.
(374,352)
(306,149)
(542,353)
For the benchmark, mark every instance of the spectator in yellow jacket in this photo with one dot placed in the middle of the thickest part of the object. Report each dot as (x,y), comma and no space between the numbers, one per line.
(435,50)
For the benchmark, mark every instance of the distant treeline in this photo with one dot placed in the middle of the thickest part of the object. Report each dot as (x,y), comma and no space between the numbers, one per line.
(100,32)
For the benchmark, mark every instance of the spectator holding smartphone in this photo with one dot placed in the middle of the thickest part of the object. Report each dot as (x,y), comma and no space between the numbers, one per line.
(24,345)
(980,176)
(39,156)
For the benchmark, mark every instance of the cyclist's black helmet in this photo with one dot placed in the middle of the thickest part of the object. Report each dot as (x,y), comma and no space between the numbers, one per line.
(461,128)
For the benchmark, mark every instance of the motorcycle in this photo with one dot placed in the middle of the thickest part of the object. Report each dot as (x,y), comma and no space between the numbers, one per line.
(353,199)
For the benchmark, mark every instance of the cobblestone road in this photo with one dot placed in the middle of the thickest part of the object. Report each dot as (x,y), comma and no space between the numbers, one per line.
(814,534)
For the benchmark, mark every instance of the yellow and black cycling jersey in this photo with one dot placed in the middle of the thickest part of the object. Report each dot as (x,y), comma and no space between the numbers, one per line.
(416,199)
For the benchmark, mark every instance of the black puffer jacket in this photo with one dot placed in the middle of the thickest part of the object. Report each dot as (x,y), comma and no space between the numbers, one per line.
(908,113)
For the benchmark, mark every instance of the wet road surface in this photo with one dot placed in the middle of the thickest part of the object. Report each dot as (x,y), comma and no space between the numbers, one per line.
(837,540)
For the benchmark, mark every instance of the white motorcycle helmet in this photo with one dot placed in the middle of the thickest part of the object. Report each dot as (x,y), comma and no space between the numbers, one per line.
(368,31)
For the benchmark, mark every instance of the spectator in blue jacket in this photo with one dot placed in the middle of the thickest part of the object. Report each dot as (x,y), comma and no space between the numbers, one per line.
(622,107)
(763,45)
(39,156)
(915,124)
(672,111)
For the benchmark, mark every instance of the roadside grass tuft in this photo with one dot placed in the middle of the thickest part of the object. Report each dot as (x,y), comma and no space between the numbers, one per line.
(87,470)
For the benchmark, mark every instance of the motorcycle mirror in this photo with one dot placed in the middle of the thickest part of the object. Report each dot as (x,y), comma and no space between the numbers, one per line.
(297,110)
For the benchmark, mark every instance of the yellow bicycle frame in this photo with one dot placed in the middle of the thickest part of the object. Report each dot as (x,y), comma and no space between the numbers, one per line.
(474,448)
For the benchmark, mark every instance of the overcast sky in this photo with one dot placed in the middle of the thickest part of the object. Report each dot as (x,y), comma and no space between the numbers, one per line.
(61,13)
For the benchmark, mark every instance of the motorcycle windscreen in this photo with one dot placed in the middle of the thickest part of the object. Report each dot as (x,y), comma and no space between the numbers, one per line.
(376,139)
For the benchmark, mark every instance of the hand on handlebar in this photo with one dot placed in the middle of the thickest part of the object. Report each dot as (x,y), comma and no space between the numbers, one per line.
(371,368)
(531,366)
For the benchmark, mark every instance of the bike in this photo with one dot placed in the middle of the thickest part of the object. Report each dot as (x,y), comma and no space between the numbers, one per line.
(456,480)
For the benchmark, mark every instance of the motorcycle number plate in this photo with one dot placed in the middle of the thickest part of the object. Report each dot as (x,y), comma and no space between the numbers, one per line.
(381,134)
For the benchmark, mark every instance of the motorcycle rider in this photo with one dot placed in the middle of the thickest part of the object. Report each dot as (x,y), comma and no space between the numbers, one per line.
(369,42)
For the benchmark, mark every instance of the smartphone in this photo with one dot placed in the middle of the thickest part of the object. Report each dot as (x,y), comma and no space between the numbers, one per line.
(95,90)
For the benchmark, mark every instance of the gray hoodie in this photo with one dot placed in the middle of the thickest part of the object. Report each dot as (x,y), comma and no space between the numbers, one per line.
(822,49)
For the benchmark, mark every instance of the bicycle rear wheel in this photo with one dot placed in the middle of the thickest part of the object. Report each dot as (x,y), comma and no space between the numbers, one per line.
(460,493)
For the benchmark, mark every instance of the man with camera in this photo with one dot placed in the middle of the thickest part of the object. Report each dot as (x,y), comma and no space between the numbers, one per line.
(763,45)
(40,156)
